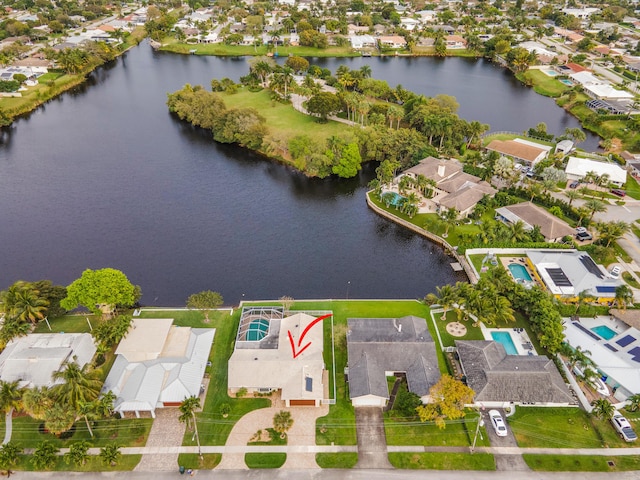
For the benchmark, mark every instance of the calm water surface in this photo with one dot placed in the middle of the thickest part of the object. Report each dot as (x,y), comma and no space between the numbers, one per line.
(104,176)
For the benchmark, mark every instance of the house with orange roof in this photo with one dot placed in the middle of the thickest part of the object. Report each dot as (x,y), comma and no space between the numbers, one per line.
(520,150)
(455,42)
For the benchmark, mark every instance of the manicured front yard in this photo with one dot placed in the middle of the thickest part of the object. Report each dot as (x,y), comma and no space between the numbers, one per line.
(336,460)
(265,460)
(581,463)
(543,83)
(94,464)
(442,461)
(418,433)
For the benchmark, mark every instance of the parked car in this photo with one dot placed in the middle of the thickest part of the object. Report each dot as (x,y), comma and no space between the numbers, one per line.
(615,272)
(618,192)
(623,427)
(580,229)
(498,423)
(574,184)
(582,236)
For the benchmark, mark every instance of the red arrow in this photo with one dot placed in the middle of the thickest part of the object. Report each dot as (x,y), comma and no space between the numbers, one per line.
(304,332)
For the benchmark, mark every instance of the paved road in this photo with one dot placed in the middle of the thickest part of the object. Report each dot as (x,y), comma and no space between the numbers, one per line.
(340,475)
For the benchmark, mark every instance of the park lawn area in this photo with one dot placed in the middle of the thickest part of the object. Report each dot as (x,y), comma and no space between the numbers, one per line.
(282,117)
(543,83)
(442,461)
(562,428)
(578,463)
(510,136)
(94,464)
(222,50)
(476,260)
(265,460)
(473,333)
(209,461)
(626,276)
(632,188)
(460,433)
(337,460)
(123,431)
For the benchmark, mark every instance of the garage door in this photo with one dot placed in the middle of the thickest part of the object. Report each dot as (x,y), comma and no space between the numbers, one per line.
(302,403)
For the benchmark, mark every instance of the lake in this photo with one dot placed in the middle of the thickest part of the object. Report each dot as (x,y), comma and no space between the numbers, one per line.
(104,176)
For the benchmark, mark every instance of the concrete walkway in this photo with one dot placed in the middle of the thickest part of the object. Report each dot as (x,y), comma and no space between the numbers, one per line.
(372,441)
(8,426)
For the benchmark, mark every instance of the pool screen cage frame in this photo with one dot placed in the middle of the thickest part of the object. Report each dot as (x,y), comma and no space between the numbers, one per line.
(251,314)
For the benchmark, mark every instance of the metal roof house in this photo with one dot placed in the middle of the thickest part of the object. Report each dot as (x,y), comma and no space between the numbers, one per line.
(577,169)
(380,347)
(275,351)
(499,379)
(158,365)
(34,358)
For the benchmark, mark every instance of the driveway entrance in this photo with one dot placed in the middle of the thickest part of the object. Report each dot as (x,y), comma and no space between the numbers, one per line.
(372,442)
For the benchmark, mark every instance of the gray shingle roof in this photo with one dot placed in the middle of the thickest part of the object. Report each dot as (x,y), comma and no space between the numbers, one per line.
(379,345)
(497,377)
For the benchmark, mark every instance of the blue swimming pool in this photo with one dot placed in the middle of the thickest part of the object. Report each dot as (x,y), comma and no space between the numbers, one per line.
(505,339)
(519,272)
(604,331)
(551,73)
(566,82)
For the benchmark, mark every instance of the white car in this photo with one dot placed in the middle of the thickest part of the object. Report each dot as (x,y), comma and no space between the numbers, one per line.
(581,230)
(615,272)
(498,423)
(623,427)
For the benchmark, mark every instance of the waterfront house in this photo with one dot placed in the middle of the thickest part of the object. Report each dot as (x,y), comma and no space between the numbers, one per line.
(267,356)
(378,348)
(34,358)
(392,41)
(501,380)
(359,42)
(158,365)
(520,150)
(455,42)
(551,227)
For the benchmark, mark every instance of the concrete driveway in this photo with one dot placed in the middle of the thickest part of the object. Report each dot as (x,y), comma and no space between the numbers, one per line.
(372,441)
(504,462)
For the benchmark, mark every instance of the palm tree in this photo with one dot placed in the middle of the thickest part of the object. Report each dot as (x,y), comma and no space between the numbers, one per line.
(80,385)
(500,310)
(37,401)
(365,71)
(282,422)
(449,217)
(12,328)
(44,456)
(612,231)
(395,112)
(572,195)
(110,454)
(78,453)
(517,232)
(446,297)
(26,303)
(577,356)
(595,206)
(59,418)
(9,454)
(602,408)
(624,296)
(10,400)
(633,404)
(188,409)
(87,410)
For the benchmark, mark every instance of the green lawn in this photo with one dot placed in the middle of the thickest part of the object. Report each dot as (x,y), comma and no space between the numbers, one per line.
(125,432)
(443,461)
(626,276)
(209,461)
(562,428)
(68,324)
(543,83)
(336,460)
(575,463)
(265,460)
(413,432)
(282,119)
(222,50)
(473,333)
(632,188)
(94,464)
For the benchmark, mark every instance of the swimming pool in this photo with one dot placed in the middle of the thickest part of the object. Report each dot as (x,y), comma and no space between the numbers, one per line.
(566,82)
(551,73)
(505,339)
(392,198)
(604,331)
(519,272)
(257,330)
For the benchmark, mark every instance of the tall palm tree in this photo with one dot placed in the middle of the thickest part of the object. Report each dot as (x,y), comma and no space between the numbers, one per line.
(188,409)
(24,302)
(595,206)
(633,403)
(9,456)
(446,296)
(612,231)
(517,232)
(624,296)
(37,401)
(572,195)
(110,454)
(449,217)
(80,385)
(10,400)
(365,71)
(78,453)
(59,418)
(602,408)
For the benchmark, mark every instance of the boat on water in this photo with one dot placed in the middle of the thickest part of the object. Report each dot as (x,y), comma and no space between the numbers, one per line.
(154,44)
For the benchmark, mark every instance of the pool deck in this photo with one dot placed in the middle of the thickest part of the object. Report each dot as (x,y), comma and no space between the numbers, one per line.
(519,336)
(506,261)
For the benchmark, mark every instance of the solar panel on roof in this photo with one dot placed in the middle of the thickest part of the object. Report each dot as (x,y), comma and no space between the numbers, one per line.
(591,266)
(605,289)
(626,340)
(610,347)
(635,354)
(558,277)
(579,326)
